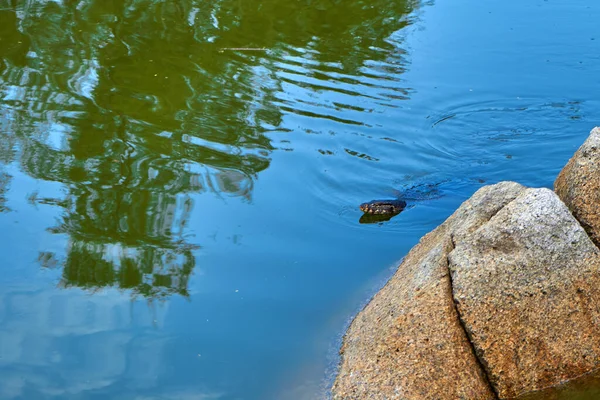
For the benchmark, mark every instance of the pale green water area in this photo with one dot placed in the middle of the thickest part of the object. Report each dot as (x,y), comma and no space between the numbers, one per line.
(179,219)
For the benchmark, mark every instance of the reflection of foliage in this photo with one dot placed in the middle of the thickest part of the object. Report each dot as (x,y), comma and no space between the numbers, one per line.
(4,180)
(132,105)
(147,271)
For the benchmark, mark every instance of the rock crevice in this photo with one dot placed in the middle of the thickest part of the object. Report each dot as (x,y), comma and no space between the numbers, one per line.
(523,283)
(480,361)
(408,343)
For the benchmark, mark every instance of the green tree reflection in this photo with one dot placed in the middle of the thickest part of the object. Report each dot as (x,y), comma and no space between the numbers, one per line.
(136,105)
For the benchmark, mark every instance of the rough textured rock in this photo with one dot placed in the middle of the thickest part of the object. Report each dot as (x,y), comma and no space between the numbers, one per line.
(408,342)
(578,185)
(527,289)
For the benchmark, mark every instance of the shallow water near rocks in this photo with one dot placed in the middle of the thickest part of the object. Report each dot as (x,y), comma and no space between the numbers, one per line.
(179,182)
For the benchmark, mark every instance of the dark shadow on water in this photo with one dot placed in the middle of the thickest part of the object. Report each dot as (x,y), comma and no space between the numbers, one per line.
(376,218)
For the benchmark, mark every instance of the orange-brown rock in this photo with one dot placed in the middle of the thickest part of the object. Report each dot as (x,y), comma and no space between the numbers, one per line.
(527,289)
(578,185)
(408,342)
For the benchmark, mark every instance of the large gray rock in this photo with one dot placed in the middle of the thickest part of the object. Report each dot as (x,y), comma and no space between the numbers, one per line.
(578,185)
(408,342)
(527,289)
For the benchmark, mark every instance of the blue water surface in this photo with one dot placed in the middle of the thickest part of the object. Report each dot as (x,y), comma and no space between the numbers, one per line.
(200,238)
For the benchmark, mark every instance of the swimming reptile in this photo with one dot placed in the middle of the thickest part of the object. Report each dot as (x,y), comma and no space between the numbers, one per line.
(383,207)
(382,210)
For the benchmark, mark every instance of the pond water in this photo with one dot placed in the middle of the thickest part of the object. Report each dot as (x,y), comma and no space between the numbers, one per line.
(180,181)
